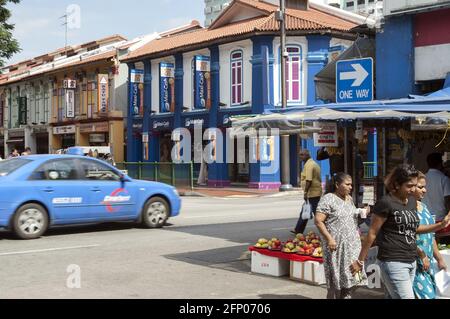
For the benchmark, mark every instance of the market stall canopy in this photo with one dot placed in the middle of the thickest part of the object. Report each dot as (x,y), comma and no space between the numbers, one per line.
(325,80)
(300,120)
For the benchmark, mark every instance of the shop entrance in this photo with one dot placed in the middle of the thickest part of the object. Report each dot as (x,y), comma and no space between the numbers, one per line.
(67,140)
(42,144)
(239,173)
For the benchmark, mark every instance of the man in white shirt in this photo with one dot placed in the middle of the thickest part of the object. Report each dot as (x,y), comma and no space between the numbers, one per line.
(437,197)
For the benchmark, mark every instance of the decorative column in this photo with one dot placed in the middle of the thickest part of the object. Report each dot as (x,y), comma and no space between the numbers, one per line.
(217,171)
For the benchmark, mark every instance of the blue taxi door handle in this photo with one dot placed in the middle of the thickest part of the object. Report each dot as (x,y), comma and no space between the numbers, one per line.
(49,190)
(96,189)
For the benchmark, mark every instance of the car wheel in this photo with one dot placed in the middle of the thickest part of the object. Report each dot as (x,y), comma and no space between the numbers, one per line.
(156,213)
(30,221)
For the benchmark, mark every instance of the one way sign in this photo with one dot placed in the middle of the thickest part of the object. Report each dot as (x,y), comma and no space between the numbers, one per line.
(354,80)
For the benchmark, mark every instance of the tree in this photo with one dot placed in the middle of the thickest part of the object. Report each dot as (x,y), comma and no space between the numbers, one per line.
(8,45)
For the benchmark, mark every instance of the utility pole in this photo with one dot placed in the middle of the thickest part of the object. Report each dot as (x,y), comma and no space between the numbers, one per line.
(285,167)
(65,17)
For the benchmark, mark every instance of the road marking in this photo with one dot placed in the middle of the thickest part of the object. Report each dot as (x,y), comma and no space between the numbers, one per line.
(45,250)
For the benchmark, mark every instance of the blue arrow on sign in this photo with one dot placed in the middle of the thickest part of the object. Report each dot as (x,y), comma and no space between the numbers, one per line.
(354,80)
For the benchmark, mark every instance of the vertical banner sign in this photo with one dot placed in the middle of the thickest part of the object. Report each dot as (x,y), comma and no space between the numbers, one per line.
(70,103)
(103,93)
(137,87)
(167,87)
(202,82)
(22,110)
(145,146)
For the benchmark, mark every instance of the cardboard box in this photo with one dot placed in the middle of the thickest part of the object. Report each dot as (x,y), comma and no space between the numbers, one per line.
(271,266)
(446,255)
(311,272)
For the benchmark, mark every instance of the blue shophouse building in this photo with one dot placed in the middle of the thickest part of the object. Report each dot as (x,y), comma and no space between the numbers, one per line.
(206,76)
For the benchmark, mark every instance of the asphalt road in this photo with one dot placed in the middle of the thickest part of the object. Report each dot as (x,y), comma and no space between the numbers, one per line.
(201,254)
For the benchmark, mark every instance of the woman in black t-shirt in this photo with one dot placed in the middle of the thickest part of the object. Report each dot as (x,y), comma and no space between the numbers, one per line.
(395,223)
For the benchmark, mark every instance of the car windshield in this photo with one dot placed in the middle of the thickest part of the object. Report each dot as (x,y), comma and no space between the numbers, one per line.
(9,166)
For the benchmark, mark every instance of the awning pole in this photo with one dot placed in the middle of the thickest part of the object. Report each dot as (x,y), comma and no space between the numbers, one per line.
(346,149)
(285,158)
(383,142)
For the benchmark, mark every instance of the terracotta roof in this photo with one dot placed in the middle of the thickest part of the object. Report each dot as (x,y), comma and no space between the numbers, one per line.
(96,58)
(115,37)
(296,20)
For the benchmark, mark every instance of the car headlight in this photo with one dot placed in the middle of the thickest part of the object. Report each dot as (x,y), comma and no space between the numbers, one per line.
(176,192)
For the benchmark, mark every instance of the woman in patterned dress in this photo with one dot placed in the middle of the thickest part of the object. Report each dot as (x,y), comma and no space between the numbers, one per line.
(337,220)
(429,257)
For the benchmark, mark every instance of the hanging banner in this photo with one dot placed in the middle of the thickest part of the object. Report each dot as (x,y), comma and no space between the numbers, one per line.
(202,81)
(103,93)
(137,93)
(166,87)
(70,104)
(328,136)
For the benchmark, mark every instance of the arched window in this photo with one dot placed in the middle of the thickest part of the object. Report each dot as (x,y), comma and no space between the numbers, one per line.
(293,74)
(236,77)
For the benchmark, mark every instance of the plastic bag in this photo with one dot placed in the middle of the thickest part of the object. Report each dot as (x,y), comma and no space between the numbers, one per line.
(443,283)
(307,211)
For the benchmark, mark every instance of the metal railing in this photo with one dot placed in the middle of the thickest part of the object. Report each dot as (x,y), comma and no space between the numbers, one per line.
(369,169)
(180,175)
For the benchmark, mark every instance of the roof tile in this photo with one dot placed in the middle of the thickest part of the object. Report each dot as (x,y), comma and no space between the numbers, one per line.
(308,20)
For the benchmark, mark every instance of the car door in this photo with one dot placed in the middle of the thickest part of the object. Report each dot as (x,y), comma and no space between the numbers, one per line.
(110,198)
(58,184)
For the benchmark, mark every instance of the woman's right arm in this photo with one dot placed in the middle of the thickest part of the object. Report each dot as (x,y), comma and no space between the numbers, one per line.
(375,226)
(320,224)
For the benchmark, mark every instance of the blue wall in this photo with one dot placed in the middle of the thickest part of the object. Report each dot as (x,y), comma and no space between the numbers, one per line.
(217,172)
(134,144)
(262,99)
(317,59)
(395,59)
(147,105)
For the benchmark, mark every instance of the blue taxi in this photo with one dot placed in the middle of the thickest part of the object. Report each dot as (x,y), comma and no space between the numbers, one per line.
(41,191)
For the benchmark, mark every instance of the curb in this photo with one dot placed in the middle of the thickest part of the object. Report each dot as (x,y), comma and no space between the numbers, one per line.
(192,194)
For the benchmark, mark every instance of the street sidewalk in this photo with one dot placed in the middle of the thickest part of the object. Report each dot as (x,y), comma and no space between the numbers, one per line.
(236,192)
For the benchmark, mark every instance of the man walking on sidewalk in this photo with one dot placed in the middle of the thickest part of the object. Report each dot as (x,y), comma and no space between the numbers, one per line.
(311,183)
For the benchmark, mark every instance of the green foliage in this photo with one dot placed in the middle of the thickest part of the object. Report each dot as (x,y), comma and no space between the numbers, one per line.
(8,45)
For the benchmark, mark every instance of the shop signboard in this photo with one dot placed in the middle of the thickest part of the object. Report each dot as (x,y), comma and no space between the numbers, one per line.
(328,135)
(97,138)
(354,80)
(137,93)
(191,122)
(61,130)
(166,87)
(202,82)
(70,103)
(368,195)
(70,84)
(94,127)
(161,124)
(103,93)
